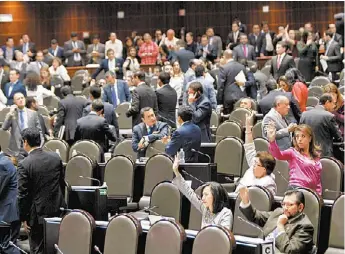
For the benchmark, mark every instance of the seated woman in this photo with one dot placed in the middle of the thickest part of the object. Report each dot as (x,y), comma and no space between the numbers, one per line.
(303,157)
(35,89)
(339,108)
(58,69)
(261,164)
(214,202)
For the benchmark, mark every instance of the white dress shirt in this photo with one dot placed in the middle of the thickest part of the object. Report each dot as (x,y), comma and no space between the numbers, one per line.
(116,46)
(60,71)
(39,94)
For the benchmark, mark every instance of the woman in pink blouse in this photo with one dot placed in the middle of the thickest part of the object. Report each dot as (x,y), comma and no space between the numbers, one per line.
(303,157)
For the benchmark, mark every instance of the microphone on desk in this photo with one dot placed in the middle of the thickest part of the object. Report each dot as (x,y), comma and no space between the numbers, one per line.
(281,175)
(97,249)
(150,209)
(57,249)
(166,119)
(62,209)
(185,172)
(15,246)
(204,154)
(91,178)
(253,225)
(333,191)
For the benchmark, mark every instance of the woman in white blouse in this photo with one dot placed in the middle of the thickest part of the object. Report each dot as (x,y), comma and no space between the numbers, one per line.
(131,63)
(35,89)
(58,69)
(177,78)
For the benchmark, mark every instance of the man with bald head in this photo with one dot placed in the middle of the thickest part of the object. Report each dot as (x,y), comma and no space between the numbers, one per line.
(148,51)
(277,114)
(18,119)
(114,44)
(170,40)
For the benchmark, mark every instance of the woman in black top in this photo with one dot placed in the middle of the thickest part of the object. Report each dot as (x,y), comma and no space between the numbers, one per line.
(190,44)
(308,54)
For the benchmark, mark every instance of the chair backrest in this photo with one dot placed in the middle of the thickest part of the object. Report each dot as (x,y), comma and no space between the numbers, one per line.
(88,148)
(166,196)
(125,148)
(342,88)
(3,114)
(5,137)
(77,83)
(319,81)
(213,239)
(336,234)
(166,237)
(51,102)
(239,116)
(254,105)
(228,129)
(281,173)
(257,130)
(229,162)
(195,217)
(262,200)
(119,176)
(57,144)
(122,235)
(43,110)
(266,70)
(315,91)
(47,122)
(79,165)
(214,122)
(331,177)
(56,80)
(155,148)
(124,121)
(313,210)
(75,233)
(312,101)
(261,144)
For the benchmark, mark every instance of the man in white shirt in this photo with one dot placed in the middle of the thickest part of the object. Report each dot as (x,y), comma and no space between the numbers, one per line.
(170,40)
(114,44)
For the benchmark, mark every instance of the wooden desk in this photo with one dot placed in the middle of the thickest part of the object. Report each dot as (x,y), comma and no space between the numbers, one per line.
(262,60)
(72,70)
(146,67)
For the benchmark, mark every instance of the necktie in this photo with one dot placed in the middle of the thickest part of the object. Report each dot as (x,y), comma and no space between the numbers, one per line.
(25,48)
(278,61)
(245,50)
(113,96)
(76,55)
(21,118)
(10,89)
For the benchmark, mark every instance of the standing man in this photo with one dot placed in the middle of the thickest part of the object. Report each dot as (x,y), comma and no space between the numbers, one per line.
(55,50)
(38,64)
(143,96)
(148,51)
(215,41)
(256,40)
(13,87)
(182,55)
(282,61)
(7,51)
(74,51)
(110,64)
(117,91)
(95,51)
(28,48)
(244,50)
(32,104)
(114,44)
(267,42)
(234,36)
(206,50)
(41,186)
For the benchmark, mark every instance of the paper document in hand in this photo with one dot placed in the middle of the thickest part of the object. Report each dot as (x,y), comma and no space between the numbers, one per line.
(324,64)
(240,77)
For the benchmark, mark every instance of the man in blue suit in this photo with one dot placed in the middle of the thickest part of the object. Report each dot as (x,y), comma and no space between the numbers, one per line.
(8,51)
(117,91)
(111,64)
(8,203)
(13,87)
(55,50)
(187,137)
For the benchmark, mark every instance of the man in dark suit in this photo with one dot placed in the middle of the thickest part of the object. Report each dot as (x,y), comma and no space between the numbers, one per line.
(256,40)
(148,131)
(95,127)
(95,51)
(289,226)
(282,61)
(206,50)
(13,87)
(215,41)
(143,96)
(117,91)
(182,55)
(244,50)
(166,100)
(20,65)
(323,123)
(7,51)
(202,110)
(111,64)
(41,186)
(32,104)
(266,103)
(337,37)
(332,56)
(109,112)
(267,40)
(70,109)
(28,48)
(4,77)
(74,51)
(8,203)
(187,136)
(55,50)
(260,78)
(234,36)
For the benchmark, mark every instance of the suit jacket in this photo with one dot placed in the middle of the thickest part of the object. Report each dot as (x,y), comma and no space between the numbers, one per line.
(100,50)
(105,66)
(122,92)
(17,88)
(96,128)
(143,96)
(109,115)
(208,89)
(272,34)
(13,123)
(59,54)
(338,38)
(188,77)
(139,131)
(238,53)
(41,184)
(231,39)
(257,44)
(298,234)
(187,137)
(183,56)
(43,125)
(261,80)
(8,190)
(335,58)
(217,44)
(166,100)
(266,103)
(324,127)
(31,48)
(21,68)
(69,111)
(69,54)
(5,78)
(211,55)
(35,67)
(5,55)
(285,64)
(283,136)
(201,117)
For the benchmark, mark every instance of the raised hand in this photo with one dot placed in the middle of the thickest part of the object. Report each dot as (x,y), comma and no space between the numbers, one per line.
(271,132)
(176,165)
(244,194)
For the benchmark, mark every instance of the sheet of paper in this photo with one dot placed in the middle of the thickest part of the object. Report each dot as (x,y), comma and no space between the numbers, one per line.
(324,64)
(240,77)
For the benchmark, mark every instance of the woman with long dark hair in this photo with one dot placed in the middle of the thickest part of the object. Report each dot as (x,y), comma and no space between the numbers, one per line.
(308,56)
(35,89)
(299,87)
(339,108)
